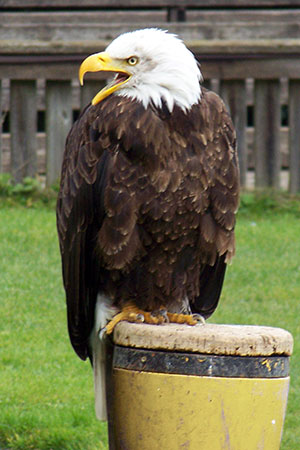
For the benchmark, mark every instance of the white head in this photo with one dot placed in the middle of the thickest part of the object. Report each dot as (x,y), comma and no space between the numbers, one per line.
(150,65)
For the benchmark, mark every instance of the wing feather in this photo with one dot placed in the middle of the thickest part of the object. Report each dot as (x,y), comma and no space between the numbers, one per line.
(217,241)
(80,214)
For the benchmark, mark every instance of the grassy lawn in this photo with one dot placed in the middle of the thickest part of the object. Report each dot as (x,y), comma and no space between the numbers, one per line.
(46,392)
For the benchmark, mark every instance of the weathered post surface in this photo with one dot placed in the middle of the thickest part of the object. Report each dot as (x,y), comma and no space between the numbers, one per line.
(202,387)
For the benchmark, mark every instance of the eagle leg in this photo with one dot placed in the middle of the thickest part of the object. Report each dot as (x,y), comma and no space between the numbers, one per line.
(132,313)
(189,319)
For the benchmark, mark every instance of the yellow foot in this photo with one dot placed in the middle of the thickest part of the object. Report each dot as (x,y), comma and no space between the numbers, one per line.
(132,313)
(189,319)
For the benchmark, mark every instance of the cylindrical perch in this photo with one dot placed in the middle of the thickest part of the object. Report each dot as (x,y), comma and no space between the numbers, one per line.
(202,387)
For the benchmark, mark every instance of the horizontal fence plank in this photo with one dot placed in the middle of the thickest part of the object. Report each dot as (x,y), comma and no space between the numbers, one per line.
(188,30)
(145,3)
(23,115)
(201,16)
(243,16)
(212,26)
(294,135)
(212,66)
(20,49)
(42,70)
(267,128)
(81,18)
(58,124)
(268,67)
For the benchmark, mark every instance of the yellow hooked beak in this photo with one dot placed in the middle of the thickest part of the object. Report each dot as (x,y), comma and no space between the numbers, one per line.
(102,62)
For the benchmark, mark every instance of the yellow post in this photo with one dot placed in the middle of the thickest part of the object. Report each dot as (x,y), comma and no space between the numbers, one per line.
(208,387)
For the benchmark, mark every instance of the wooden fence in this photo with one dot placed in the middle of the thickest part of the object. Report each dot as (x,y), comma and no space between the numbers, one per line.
(249,52)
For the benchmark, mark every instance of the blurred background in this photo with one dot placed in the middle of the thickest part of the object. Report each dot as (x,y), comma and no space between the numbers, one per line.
(249,53)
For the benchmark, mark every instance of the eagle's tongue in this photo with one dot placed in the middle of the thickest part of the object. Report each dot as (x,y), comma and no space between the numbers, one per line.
(120,78)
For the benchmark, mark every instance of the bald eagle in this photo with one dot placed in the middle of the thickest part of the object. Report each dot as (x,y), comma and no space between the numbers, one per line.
(148,195)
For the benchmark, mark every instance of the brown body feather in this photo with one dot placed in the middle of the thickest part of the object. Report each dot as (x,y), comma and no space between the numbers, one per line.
(146,209)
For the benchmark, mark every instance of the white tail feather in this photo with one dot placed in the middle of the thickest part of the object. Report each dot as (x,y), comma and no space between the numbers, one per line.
(99,378)
(104,311)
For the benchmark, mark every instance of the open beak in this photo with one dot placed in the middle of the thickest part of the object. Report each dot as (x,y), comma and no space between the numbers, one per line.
(102,62)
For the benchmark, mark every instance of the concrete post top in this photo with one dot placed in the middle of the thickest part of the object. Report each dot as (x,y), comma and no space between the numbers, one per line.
(238,340)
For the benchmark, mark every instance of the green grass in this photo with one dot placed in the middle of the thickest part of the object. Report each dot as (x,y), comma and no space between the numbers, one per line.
(46,392)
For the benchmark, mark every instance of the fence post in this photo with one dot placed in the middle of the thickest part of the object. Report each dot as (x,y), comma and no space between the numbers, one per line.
(233,93)
(294,135)
(23,128)
(89,90)
(267,133)
(1,126)
(58,124)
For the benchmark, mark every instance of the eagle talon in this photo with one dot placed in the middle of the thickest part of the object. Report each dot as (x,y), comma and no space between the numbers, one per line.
(102,333)
(140,318)
(159,316)
(200,319)
(188,319)
(164,314)
(156,318)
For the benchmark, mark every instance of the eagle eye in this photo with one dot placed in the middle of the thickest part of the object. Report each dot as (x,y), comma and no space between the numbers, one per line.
(132,61)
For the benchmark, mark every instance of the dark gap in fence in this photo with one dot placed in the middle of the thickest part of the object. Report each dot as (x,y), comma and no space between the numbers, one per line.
(176,14)
(6,122)
(76,113)
(284,115)
(41,127)
(23,6)
(250,116)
